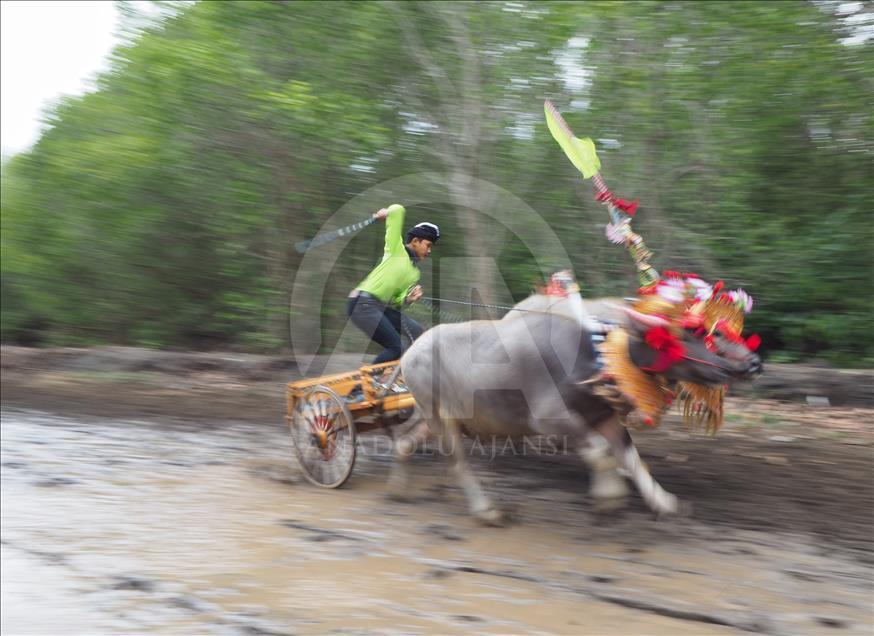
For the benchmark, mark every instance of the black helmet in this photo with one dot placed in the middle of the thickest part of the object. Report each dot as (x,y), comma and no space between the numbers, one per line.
(424,230)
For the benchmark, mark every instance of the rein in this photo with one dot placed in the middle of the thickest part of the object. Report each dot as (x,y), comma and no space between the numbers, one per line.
(448,316)
(704,362)
(685,357)
(461,302)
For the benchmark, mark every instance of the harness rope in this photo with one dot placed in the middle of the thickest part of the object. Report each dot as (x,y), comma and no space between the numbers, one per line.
(461,302)
(448,316)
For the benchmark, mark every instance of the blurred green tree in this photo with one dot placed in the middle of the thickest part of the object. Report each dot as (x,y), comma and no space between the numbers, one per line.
(161,209)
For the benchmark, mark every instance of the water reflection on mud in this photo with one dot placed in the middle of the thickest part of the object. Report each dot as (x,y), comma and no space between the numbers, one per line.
(158,526)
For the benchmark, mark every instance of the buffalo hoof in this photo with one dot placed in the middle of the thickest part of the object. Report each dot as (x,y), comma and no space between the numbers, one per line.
(405,446)
(398,485)
(679,509)
(491,517)
(607,505)
(608,485)
(684,509)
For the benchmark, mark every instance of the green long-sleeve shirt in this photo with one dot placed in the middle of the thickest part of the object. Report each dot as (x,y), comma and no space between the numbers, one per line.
(395,276)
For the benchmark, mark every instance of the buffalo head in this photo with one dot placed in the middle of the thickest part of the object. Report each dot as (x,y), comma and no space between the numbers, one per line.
(690,352)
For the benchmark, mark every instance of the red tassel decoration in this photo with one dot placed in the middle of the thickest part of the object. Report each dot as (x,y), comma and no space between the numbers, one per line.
(670,349)
(629,207)
(658,338)
(717,288)
(753,342)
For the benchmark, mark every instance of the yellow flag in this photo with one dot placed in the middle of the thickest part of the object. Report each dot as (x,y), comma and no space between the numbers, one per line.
(581,152)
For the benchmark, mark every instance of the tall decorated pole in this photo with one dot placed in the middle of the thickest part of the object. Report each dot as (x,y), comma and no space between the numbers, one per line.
(581,153)
(684,300)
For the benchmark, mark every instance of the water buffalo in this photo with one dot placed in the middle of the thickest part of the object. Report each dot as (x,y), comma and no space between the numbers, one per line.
(525,375)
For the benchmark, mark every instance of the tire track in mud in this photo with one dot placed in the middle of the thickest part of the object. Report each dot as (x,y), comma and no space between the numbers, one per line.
(658,607)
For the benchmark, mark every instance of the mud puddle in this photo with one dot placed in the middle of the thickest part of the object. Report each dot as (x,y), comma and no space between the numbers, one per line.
(161,526)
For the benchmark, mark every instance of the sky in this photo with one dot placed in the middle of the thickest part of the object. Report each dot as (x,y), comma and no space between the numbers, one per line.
(47,49)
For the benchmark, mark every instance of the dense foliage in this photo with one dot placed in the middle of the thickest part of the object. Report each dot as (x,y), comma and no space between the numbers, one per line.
(162,208)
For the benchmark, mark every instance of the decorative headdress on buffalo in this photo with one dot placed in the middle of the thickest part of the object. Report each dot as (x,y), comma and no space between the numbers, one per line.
(685,300)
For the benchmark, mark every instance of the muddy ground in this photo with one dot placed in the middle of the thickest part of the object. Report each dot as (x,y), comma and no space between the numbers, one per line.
(146,492)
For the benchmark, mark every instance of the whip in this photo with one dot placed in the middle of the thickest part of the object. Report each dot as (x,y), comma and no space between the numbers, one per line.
(327,237)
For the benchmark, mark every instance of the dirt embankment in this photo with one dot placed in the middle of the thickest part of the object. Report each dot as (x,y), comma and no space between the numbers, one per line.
(791,382)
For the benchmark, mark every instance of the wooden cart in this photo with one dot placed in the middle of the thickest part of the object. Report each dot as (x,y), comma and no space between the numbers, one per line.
(326,413)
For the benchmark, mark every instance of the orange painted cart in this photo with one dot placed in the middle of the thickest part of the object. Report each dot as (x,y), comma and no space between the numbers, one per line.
(326,413)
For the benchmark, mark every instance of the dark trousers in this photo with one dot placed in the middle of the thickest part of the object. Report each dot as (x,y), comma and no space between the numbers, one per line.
(383,325)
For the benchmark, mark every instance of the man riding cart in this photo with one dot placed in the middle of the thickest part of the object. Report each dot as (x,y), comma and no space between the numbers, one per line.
(375,305)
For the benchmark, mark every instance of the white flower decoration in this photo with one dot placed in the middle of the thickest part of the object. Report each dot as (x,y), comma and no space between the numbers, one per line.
(617,232)
(742,300)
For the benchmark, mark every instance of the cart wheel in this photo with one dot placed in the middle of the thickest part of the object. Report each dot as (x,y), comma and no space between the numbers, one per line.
(324,437)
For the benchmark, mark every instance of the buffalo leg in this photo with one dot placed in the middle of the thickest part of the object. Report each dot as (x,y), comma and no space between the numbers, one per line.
(480,505)
(404,447)
(657,498)
(608,488)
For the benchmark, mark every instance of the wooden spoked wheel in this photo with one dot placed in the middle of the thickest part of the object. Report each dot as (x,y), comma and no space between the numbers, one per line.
(324,437)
